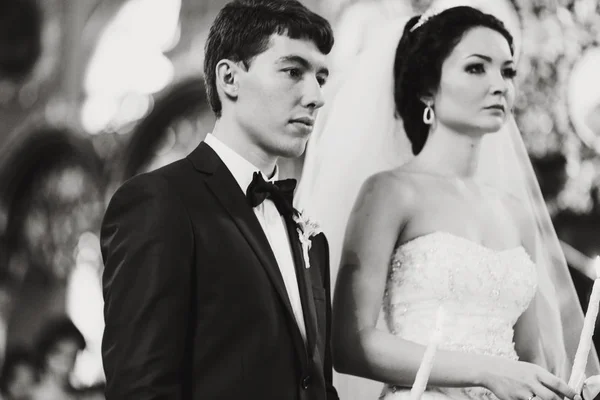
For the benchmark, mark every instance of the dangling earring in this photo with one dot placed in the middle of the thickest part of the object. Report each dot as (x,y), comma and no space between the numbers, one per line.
(428,114)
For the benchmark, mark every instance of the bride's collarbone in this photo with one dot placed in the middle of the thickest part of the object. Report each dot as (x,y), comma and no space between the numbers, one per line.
(442,205)
(431,182)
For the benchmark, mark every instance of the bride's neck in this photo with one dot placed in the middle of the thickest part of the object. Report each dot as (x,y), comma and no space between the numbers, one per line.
(451,153)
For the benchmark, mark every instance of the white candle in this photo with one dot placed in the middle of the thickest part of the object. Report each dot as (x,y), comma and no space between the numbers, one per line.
(585,341)
(420,383)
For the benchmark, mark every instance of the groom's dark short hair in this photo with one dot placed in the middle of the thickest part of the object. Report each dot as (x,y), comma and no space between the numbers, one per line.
(242,30)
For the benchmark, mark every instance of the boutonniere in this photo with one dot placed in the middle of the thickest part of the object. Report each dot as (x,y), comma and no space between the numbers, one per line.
(307,229)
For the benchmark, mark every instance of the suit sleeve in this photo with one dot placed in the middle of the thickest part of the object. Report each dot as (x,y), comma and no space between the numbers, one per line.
(147,247)
(328,363)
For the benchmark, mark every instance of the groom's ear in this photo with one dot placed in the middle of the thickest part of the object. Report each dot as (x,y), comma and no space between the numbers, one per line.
(227,77)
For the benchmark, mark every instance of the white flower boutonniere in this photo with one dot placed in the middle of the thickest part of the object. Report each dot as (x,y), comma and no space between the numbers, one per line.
(306,229)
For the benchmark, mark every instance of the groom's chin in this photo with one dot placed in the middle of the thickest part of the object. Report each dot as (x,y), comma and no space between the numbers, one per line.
(294,149)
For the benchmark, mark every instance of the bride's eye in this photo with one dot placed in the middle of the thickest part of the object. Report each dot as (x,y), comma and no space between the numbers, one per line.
(509,73)
(475,68)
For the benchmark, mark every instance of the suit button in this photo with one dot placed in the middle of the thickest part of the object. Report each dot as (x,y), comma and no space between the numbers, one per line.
(306,382)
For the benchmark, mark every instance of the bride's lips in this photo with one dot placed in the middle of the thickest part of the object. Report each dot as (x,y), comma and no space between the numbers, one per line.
(498,107)
(304,120)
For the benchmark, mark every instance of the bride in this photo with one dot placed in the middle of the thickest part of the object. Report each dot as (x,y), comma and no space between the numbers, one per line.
(461,224)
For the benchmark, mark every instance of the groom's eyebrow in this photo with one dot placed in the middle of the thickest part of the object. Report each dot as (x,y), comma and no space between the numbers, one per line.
(302,61)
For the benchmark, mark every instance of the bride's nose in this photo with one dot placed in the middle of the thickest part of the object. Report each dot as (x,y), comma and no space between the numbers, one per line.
(498,83)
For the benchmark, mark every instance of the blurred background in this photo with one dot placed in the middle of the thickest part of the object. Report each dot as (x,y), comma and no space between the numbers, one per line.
(93,92)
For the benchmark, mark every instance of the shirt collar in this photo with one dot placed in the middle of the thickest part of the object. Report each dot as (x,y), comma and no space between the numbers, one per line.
(241,169)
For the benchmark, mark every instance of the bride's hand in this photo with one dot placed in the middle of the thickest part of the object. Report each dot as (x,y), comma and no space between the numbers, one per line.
(524,381)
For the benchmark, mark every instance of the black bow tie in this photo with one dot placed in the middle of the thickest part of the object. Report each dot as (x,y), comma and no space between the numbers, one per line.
(280,192)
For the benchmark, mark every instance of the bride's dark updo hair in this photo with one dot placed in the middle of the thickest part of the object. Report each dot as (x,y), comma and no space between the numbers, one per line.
(419,58)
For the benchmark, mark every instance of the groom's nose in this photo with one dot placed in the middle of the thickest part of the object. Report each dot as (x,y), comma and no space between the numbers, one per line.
(312,94)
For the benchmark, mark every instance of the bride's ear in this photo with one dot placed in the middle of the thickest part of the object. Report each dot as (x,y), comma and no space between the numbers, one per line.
(426,99)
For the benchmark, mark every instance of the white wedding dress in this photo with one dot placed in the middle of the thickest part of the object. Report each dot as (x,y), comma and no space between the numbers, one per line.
(483,291)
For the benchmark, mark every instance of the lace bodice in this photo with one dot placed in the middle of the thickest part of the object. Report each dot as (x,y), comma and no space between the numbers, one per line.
(484,291)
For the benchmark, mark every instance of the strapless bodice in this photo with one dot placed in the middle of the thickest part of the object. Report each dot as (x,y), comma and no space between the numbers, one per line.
(483,291)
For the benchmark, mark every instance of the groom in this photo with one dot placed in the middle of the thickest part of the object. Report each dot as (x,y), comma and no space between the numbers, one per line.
(210,288)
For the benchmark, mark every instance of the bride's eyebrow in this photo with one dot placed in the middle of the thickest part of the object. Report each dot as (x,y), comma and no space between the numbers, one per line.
(490,59)
(486,58)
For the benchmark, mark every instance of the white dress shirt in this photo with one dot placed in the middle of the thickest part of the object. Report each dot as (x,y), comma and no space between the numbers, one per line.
(271,221)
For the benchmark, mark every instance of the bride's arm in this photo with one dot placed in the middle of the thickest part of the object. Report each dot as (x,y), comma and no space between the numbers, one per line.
(359,348)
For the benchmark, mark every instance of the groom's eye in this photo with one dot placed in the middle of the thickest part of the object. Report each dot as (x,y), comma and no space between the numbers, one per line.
(294,72)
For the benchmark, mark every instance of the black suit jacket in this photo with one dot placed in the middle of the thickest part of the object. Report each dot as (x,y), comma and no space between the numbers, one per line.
(195,305)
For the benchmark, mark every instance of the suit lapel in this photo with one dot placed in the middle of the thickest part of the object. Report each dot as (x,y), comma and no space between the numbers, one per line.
(226,189)
(304,285)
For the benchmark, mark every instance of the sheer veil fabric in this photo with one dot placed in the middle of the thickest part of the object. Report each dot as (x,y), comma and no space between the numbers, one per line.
(357,135)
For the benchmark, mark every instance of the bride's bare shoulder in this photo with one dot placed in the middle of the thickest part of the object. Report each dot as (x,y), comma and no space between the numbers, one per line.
(386,198)
(392,186)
